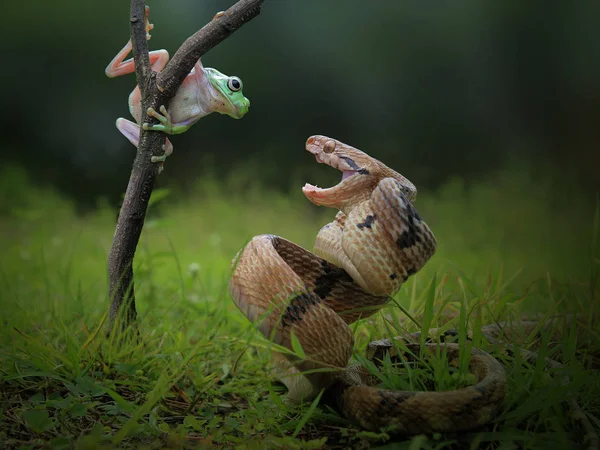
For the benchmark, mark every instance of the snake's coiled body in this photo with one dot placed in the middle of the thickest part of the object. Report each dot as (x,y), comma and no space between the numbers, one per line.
(376,241)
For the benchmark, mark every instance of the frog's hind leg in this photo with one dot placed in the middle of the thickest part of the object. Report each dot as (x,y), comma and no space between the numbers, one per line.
(118,66)
(131,131)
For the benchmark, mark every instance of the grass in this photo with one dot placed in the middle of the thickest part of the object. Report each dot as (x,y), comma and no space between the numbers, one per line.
(199,374)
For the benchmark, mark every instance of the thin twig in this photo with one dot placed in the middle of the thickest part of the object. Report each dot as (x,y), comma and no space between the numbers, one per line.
(143,174)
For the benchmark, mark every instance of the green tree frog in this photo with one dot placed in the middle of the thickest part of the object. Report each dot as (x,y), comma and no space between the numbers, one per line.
(204,91)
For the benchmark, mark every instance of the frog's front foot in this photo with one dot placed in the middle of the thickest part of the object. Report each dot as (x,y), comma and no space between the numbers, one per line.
(165,125)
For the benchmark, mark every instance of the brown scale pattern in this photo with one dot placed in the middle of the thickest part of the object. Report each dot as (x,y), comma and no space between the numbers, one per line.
(376,241)
(425,412)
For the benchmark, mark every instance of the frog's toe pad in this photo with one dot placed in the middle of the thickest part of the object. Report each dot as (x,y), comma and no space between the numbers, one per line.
(156,127)
(158,159)
(164,118)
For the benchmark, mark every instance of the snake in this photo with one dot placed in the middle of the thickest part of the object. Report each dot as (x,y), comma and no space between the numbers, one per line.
(305,301)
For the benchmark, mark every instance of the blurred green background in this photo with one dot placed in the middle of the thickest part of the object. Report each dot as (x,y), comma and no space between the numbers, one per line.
(491,108)
(437,91)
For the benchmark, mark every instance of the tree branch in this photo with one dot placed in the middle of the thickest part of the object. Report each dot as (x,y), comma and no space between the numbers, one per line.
(143,174)
(138,40)
(217,30)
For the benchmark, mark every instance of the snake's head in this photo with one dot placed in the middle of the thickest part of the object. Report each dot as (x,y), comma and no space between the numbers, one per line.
(360,174)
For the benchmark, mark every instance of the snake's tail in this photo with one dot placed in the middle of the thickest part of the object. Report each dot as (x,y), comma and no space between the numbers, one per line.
(517,331)
(411,413)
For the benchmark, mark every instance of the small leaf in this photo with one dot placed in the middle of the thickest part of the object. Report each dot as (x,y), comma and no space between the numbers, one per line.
(428,312)
(78,410)
(89,386)
(309,412)
(62,403)
(112,409)
(92,439)
(193,423)
(128,369)
(97,430)
(60,443)
(37,398)
(38,421)
(152,419)
(120,402)
(225,367)
(276,398)
(296,345)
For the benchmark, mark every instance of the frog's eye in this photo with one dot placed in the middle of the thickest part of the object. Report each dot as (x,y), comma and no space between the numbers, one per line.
(234,83)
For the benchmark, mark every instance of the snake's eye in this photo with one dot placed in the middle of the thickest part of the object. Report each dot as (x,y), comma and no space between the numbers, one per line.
(234,83)
(329,147)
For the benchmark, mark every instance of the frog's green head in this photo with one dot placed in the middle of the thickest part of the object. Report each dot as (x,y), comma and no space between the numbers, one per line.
(230,93)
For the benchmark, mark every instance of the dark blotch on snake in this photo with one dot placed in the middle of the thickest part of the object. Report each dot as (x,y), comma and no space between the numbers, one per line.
(367,223)
(479,389)
(410,271)
(326,281)
(449,336)
(350,162)
(411,211)
(407,239)
(389,402)
(411,236)
(354,166)
(393,276)
(298,306)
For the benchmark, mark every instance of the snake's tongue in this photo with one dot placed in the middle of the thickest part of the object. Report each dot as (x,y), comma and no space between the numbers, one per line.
(347,174)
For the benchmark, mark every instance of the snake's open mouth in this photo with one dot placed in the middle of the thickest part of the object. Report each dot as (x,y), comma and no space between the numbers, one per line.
(327,196)
(325,152)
